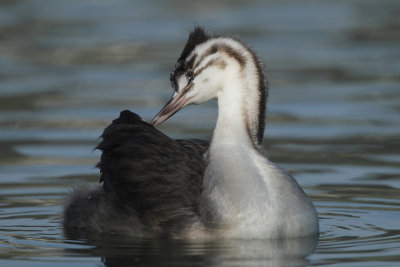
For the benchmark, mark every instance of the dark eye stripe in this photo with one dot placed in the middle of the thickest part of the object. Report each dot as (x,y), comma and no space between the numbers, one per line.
(216,62)
(195,60)
(231,52)
(204,67)
(189,64)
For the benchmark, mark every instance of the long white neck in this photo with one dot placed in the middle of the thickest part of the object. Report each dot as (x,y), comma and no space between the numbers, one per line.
(241,108)
(233,180)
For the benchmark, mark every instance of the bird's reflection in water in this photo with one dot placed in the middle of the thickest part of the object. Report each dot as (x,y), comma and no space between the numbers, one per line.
(120,251)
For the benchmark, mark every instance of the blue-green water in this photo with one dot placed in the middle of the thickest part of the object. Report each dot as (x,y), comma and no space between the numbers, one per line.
(68,67)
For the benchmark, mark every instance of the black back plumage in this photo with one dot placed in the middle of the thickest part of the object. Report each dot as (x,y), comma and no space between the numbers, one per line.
(158,177)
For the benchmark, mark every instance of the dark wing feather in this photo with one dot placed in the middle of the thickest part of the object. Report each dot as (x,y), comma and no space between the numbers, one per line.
(159,177)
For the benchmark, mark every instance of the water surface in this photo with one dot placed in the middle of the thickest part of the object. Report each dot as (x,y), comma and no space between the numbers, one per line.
(67,68)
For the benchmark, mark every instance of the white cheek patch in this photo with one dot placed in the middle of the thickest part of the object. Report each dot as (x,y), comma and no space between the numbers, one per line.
(182,82)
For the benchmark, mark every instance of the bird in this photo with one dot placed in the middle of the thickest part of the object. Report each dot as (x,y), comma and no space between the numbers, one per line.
(158,187)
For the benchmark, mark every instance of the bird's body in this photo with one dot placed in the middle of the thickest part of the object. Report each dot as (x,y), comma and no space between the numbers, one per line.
(187,188)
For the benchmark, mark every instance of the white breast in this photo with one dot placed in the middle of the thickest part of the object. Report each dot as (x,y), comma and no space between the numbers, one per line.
(253,198)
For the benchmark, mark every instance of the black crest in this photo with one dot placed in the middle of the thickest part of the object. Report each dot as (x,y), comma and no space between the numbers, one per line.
(196,37)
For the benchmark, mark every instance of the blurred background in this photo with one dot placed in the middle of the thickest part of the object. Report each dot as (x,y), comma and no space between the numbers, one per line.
(67,68)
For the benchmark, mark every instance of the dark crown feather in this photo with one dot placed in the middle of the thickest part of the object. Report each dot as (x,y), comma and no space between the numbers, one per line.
(196,37)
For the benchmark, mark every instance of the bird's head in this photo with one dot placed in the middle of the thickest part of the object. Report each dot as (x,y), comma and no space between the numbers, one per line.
(205,67)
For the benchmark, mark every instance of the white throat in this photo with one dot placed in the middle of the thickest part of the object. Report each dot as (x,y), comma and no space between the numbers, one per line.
(233,180)
(238,110)
(237,119)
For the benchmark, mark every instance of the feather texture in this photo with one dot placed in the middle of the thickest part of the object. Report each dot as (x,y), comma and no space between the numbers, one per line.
(144,172)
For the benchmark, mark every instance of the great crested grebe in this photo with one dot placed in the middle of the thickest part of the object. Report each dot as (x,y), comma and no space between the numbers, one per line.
(155,186)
